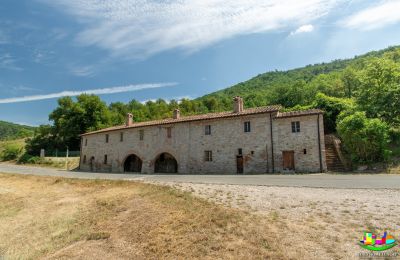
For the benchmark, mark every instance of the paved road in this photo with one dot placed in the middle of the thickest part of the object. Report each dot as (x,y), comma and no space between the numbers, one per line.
(358,181)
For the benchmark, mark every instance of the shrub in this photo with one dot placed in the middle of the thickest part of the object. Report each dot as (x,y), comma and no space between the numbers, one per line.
(10,152)
(364,138)
(27,158)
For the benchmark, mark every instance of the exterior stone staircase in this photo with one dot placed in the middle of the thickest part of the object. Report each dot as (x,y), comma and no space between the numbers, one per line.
(334,161)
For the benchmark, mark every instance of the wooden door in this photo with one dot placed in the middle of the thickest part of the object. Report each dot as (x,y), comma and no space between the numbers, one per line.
(288,160)
(239,164)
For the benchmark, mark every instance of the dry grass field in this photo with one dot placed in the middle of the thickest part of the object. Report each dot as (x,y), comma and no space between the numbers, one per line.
(55,218)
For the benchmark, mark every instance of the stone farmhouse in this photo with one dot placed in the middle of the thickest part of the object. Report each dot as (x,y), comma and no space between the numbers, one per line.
(243,141)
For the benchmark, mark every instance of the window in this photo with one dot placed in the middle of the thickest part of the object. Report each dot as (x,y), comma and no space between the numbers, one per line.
(169,132)
(121,137)
(86,142)
(247,127)
(107,136)
(296,127)
(208,130)
(208,156)
(105,159)
(141,135)
(304,151)
(240,151)
(84,159)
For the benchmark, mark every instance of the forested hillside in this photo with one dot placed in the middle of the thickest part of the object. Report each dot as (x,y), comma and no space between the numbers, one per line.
(360,97)
(10,131)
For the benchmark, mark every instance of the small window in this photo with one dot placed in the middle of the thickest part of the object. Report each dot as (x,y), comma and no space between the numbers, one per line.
(84,159)
(169,132)
(107,137)
(208,130)
(240,151)
(121,137)
(105,159)
(304,151)
(247,127)
(208,156)
(141,135)
(296,127)
(86,142)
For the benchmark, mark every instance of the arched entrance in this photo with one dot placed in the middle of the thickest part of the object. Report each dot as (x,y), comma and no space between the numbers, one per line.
(166,163)
(133,164)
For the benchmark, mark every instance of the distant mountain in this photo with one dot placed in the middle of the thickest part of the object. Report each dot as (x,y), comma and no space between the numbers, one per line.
(10,131)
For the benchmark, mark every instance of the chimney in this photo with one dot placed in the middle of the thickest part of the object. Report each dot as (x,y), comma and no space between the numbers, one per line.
(238,104)
(177,113)
(129,119)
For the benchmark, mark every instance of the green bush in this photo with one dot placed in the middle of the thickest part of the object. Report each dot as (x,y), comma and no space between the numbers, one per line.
(10,152)
(27,158)
(364,138)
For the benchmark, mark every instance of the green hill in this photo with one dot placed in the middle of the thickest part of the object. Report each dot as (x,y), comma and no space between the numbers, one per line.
(11,131)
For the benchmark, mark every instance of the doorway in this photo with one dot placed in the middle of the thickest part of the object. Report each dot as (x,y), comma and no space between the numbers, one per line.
(288,160)
(166,163)
(92,163)
(239,164)
(133,164)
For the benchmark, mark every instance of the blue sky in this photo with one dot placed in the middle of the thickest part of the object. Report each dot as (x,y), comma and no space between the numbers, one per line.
(148,49)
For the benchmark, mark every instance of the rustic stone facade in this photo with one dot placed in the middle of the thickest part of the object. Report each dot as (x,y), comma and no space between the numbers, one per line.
(219,143)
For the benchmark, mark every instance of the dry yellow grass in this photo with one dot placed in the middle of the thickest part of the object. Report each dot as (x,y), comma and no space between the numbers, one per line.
(54,218)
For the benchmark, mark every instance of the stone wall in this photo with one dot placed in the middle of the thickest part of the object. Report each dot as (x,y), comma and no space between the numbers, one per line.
(188,144)
(307,138)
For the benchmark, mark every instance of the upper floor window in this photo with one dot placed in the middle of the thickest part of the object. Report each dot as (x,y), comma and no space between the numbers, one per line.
(86,142)
(247,127)
(107,137)
(208,130)
(240,151)
(121,137)
(105,159)
(141,135)
(169,132)
(296,127)
(208,156)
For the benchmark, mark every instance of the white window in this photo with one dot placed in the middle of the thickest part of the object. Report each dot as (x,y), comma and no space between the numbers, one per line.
(296,127)
(247,127)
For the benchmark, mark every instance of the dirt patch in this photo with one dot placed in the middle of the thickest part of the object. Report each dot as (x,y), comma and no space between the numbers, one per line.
(55,218)
(313,223)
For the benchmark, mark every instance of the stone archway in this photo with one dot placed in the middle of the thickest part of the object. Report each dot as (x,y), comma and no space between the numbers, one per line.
(166,163)
(133,164)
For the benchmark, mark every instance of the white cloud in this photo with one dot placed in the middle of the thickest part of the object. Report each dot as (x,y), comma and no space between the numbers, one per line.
(82,71)
(100,91)
(376,16)
(7,61)
(139,28)
(303,29)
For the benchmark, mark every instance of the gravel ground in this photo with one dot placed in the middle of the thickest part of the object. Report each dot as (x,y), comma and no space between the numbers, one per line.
(313,223)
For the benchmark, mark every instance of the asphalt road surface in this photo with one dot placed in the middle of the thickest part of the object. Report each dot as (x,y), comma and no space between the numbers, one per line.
(341,181)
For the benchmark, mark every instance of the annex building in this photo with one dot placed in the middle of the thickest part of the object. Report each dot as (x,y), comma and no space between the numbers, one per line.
(244,141)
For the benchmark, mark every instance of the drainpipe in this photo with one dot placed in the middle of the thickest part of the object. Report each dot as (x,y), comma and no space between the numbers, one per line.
(272,144)
(319,145)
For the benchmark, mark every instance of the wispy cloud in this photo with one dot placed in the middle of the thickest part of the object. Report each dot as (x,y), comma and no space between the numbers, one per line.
(7,61)
(100,91)
(379,15)
(303,29)
(82,71)
(144,27)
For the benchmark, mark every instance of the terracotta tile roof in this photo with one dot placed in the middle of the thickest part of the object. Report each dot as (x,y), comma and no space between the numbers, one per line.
(298,113)
(250,111)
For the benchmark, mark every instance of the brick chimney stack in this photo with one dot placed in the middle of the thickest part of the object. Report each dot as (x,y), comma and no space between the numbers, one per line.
(238,104)
(129,119)
(177,114)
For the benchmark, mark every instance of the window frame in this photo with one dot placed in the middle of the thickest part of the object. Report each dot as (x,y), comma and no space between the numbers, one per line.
(207,130)
(296,127)
(141,134)
(247,126)
(107,138)
(208,156)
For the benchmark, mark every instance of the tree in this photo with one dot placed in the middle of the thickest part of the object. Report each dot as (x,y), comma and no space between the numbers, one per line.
(364,138)
(379,92)
(332,106)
